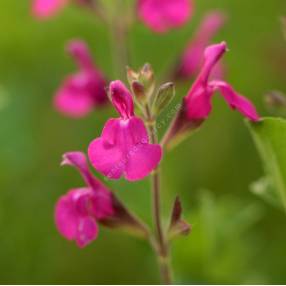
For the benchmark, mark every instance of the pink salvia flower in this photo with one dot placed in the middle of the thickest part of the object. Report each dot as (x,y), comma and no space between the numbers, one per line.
(83,91)
(197,103)
(77,212)
(193,55)
(123,148)
(43,9)
(162,15)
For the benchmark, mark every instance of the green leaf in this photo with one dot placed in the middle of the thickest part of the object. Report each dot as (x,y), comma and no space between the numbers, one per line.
(270,138)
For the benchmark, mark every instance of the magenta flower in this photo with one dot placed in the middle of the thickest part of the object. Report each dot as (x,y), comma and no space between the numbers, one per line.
(80,93)
(43,9)
(162,15)
(193,55)
(198,101)
(196,106)
(77,212)
(123,148)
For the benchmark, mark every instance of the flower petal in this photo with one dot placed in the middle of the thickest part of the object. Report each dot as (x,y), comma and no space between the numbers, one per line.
(123,149)
(212,55)
(72,217)
(87,231)
(79,161)
(121,99)
(236,101)
(198,103)
(79,50)
(105,153)
(102,205)
(73,99)
(162,16)
(47,8)
(66,217)
(142,157)
(142,161)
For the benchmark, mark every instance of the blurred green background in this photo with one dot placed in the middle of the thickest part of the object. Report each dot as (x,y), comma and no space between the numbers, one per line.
(236,237)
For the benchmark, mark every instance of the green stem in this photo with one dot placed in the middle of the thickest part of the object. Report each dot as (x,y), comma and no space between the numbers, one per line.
(118,34)
(162,250)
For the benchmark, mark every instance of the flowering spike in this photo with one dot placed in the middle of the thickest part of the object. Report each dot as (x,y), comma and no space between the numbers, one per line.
(43,9)
(81,92)
(193,55)
(161,16)
(123,148)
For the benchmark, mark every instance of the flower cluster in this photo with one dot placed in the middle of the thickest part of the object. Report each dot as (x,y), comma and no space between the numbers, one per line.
(128,146)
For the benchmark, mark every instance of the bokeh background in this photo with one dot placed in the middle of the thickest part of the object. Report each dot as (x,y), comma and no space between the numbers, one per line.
(236,238)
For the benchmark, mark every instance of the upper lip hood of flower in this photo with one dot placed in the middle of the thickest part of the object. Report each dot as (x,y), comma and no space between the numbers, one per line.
(80,52)
(121,99)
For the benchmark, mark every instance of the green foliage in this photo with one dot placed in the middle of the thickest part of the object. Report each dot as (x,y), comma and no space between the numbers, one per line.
(270,138)
(221,243)
(221,156)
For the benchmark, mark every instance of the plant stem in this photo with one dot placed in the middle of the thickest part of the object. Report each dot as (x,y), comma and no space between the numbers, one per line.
(162,250)
(118,33)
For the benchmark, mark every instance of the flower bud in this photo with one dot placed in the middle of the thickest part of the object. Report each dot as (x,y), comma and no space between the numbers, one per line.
(163,98)
(146,77)
(142,84)
(131,75)
(178,226)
